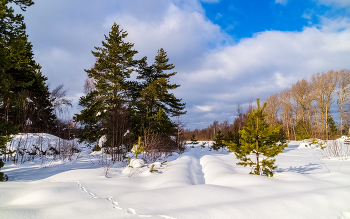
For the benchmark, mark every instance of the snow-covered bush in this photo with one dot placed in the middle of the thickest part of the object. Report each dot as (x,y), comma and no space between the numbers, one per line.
(334,149)
(137,163)
(28,146)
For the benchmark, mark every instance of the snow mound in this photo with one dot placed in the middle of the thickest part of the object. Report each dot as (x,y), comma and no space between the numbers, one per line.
(157,165)
(102,141)
(304,145)
(137,163)
(40,141)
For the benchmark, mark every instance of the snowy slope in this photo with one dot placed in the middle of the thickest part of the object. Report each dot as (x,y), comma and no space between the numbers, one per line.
(197,184)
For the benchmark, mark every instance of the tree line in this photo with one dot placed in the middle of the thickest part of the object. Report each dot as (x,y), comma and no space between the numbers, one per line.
(306,109)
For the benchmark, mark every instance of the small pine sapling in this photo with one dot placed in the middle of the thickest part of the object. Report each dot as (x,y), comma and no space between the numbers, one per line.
(138,149)
(260,139)
(203,144)
(152,170)
(194,141)
(218,141)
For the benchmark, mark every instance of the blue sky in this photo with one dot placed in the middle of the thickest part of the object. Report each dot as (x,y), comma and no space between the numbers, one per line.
(225,51)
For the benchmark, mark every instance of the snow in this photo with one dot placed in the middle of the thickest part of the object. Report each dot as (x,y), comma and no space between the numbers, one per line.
(199,183)
(137,163)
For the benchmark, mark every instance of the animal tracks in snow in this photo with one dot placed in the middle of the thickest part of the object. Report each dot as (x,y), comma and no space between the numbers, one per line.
(84,190)
(131,211)
(115,204)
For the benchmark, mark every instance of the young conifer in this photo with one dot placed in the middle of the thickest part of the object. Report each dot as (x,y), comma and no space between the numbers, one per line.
(218,141)
(260,139)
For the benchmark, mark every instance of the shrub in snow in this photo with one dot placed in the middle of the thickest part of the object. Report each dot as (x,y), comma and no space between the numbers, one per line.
(203,144)
(334,149)
(152,169)
(137,163)
(96,148)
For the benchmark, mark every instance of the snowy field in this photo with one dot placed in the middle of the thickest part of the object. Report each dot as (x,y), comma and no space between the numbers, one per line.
(197,184)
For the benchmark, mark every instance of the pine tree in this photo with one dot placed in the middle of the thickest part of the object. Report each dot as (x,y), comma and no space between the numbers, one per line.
(261,139)
(105,108)
(301,130)
(218,141)
(332,127)
(154,91)
(194,141)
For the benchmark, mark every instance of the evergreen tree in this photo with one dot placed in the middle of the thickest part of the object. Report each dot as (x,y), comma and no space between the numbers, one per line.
(301,130)
(259,138)
(105,108)
(194,141)
(332,127)
(218,141)
(154,94)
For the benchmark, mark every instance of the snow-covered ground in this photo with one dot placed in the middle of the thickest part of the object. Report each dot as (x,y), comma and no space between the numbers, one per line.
(197,184)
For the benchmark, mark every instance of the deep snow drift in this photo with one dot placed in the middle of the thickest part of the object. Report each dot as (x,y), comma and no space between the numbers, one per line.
(199,183)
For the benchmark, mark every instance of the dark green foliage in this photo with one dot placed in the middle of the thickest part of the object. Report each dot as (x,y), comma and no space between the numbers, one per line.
(105,108)
(24,97)
(259,138)
(218,141)
(194,141)
(96,148)
(332,127)
(152,100)
(162,125)
(302,130)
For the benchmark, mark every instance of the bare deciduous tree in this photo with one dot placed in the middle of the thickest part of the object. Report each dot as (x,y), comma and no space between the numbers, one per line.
(343,91)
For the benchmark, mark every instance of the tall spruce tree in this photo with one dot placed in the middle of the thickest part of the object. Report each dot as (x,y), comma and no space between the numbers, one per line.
(105,108)
(260,139)
(154,96)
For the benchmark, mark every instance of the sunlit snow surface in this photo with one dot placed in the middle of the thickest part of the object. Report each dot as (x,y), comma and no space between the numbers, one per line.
(197,184)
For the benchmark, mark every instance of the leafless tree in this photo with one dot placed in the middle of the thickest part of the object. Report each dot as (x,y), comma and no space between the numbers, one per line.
(60,102)
(343,91)
(89,85)
(272,108)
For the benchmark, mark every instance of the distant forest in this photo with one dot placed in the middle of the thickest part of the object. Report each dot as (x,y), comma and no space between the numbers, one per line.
(304,110)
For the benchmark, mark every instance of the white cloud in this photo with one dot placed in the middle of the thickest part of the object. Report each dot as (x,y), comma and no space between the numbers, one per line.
(210,1)
(337,3)
(282,2)
(204,108)
(184,34)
